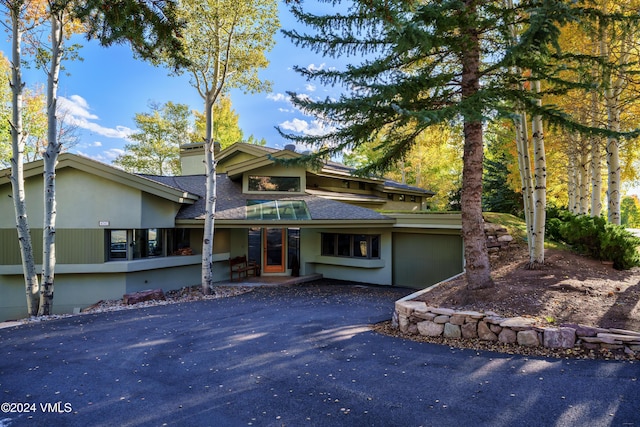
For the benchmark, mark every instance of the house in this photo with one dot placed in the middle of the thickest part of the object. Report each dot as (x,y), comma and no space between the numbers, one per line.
(119,232)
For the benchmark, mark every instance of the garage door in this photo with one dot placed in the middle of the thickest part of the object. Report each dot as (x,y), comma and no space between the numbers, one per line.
(420,260)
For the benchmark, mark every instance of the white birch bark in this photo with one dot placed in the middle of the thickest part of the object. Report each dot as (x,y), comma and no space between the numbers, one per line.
(613,169)
(524,161)
(50,161)
(540,185)
(612,91)
(596,160)
(524,166)
(572,184)
(596,177)
(210,90)
(17,172)
(584,170)
(210,202)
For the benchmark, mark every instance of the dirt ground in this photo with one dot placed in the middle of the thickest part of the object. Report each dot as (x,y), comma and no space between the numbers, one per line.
(568,288)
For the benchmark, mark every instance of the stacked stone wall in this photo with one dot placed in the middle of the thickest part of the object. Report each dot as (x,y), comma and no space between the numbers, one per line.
(497,236)
(415,317)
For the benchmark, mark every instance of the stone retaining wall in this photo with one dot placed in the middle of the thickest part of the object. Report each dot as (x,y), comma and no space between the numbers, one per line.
(415,317)
(497,236)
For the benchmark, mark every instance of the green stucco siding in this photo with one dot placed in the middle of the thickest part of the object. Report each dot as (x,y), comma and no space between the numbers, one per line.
(73,246)
(10,248)
(421,259)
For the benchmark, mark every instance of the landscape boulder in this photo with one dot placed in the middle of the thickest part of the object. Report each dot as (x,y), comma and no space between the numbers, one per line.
(148,295)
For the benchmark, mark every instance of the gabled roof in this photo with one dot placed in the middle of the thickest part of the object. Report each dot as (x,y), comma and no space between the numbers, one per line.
(93,167)
(243,147)
(265,156)
(238,169)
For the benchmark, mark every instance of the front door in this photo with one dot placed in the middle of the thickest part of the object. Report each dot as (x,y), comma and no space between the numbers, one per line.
(274,259)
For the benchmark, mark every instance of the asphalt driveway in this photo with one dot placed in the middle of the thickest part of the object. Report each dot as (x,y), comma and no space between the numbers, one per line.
(291,356)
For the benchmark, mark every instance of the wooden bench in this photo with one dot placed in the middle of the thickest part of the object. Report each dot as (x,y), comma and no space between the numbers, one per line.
(240,266)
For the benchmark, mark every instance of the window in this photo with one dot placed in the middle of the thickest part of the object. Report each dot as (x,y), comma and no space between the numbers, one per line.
(412,199)
(362,185)
(179,241)
(123,245)
(351,245)
(117,244)
(390,196)
(147,243)
(293,250)
(274,183)
(254,250)
(401,197)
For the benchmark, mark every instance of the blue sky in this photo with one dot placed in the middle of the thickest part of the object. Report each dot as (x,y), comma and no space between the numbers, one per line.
(102,94)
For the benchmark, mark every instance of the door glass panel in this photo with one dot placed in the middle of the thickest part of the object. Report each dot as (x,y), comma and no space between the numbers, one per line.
(274,247)
(255,245)
(293,248)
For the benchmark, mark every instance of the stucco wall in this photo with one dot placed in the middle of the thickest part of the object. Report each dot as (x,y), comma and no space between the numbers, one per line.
(275,170)
(376,271)
(83,200)
(80,290)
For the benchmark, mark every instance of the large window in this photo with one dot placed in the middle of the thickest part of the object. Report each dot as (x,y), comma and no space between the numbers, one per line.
(293,249)
(274,183)
(351,245)
(125,245)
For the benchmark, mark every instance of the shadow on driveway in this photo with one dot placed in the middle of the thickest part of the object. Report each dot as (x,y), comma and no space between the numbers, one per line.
(289,356)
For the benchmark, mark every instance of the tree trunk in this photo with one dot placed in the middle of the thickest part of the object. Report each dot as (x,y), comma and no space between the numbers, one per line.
(612,92)
(524,166)
(572,177)
(613,184)
(523,149)
(17,171)
(478,269)
(584,176)
(210,202)
(50,162)
(596,177)
(540,189)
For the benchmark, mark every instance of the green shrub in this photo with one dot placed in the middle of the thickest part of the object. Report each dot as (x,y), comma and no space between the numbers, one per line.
(594,237)
(620,246)
(552,229)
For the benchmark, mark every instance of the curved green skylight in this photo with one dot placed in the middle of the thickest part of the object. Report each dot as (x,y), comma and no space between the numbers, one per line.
(277,210)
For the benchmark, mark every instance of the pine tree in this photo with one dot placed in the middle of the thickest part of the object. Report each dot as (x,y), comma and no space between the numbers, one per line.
(426,63)
(498,193)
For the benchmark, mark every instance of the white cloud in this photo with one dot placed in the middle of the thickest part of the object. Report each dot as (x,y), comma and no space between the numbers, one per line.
(90,144)
(76,112)
(75,106)
(310,87)
(278,97)
(303,97)
(314,67)
(314,127)
(106,156)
